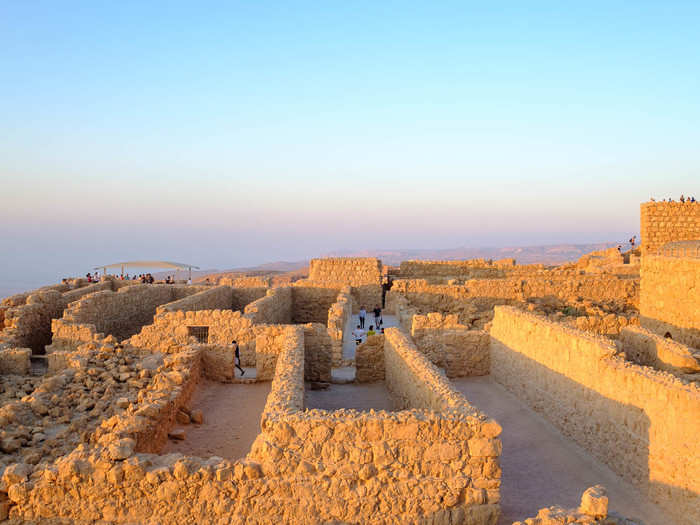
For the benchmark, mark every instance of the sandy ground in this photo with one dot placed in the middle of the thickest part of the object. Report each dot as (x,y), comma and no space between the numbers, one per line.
(231,420)
(358,396)
(543,468)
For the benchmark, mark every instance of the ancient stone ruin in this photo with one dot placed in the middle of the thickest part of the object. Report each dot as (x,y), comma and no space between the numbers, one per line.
(488,388)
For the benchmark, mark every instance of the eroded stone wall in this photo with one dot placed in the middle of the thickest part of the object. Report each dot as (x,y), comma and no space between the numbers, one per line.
(15,361)
(663,222)
(669,297)
(364,275)
(639,421)
(339,315)
(312,302)
(317,352)
(450,345)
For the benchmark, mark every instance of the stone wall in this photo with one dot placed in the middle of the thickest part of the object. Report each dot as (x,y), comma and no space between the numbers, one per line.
(339,315)
(15,361)
(398,304)
(124,312)
(364,275)
(313,301)
(663,222)
(207,298)
(317,352)
(466,269)
(460,351)
(274,308)
(488,293)
(256,281)
(640,422)
(27,317)
(369,360)
(242,297)
(269,344)
(646,348)
(669,297)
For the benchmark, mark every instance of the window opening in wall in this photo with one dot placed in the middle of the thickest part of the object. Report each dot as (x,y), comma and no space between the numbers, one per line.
(667,335)
(201,333)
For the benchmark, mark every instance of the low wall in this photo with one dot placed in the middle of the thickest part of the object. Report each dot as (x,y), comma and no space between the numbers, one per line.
(369,360)
(469,269)
(274,308)
(401,308)
(646,348)
(669,297)
(460,351)
(15,361)
(640,422)
(339,315)
(270,343)
(208,298)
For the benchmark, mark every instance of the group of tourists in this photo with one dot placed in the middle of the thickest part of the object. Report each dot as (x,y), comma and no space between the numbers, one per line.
(682,198)
(359,332)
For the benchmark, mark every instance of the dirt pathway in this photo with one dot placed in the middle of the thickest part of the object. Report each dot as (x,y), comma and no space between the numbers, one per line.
(543,468)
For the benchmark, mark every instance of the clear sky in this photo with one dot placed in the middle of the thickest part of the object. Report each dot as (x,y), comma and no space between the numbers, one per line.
(235,133)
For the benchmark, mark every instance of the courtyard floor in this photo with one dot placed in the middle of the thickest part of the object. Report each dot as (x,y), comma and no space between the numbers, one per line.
(231,420)
(363,396)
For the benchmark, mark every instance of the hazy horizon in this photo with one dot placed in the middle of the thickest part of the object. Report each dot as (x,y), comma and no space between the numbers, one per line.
(236,133)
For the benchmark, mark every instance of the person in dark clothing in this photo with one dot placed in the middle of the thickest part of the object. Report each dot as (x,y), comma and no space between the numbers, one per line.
(238,357)
(377,316)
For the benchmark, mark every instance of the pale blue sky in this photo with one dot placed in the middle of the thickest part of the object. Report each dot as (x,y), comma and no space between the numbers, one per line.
(227,134)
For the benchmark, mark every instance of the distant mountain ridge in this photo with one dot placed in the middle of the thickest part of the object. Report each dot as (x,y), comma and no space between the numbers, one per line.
(544,254)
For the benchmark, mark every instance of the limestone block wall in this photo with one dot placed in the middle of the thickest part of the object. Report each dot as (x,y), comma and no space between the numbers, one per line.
(317,352)
(274,308)
(363,274)
(669,297)
(398,304)
(369,360)
(15,361)
(124,312)
(663,222)
(312,302)
(206,298)
(491,292)
(171,329)
(450,345)
(27,317)
(639,421)
(646,348)
(269,344)
(242,297)
(256,281)
(609,325)
(467,269)
(339,315)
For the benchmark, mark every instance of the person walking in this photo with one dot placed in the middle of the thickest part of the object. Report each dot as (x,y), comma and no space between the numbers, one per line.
(377,316)
(237,355)
(363,314)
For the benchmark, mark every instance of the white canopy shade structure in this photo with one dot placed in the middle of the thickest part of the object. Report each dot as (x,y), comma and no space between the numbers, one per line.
(149,264)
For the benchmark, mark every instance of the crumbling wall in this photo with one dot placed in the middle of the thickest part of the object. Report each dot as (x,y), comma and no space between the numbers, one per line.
(460,351)
(207,298)
(369,360)
(124,312)
(15,361)
(274,308)
(646,348)
(317,352)
(339,314)
(639,421)
(401,308)
(269,343)
(663,222)
(27,317)
(255,281)
(669,297)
